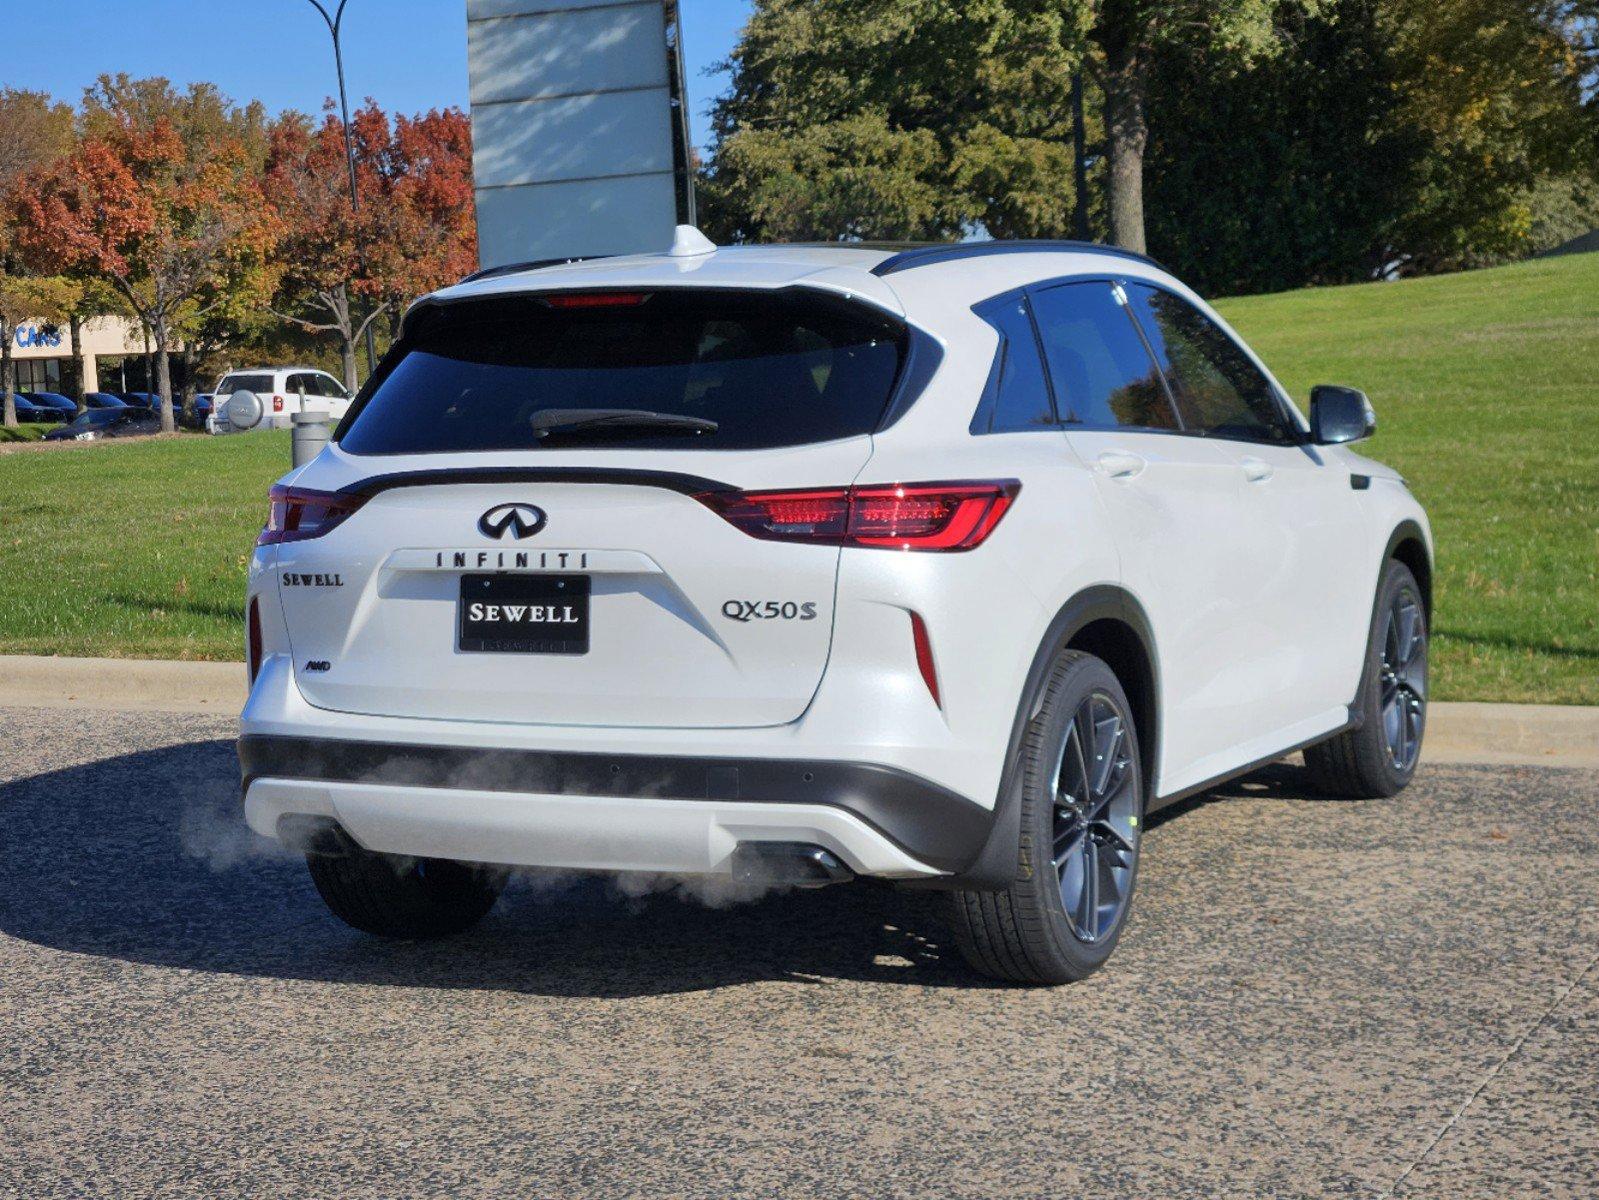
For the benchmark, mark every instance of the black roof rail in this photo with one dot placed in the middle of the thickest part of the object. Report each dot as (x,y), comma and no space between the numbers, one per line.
(923,256)
(536,264)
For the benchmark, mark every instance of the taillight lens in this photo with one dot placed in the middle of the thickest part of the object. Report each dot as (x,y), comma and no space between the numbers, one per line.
(297,514)
(253,656)
(277,403)
(901,516)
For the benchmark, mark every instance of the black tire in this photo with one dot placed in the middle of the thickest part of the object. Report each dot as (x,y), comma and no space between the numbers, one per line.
(401,897)
(1024,933)
(1362,763)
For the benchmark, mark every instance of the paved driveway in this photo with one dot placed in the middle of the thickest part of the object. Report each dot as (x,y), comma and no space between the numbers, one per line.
(1314,998)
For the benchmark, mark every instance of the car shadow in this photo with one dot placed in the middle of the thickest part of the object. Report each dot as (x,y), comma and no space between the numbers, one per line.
(145,858)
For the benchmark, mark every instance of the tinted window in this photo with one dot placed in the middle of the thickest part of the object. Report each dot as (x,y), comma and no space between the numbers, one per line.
(1101,370)
(261,385)
(1217,389)
(770,370)
(323,385)
(1017,398)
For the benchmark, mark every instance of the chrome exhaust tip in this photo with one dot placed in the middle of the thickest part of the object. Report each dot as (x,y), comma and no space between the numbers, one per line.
(790,864)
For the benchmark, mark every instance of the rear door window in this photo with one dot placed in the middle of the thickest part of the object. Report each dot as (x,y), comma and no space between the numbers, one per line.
(769,370)
(1101,370)
(1017,396)
(1218,390)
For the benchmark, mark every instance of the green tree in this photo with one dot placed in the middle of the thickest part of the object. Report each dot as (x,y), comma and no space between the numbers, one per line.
(1396,135)
(1502,93)
(1131,39)
(930,120)
(896,120)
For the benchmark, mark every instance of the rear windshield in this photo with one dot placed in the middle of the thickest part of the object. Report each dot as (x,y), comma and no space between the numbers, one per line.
(769,370)
(259,384)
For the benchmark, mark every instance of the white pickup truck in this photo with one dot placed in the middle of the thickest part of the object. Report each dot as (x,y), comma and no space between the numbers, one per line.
(280,392)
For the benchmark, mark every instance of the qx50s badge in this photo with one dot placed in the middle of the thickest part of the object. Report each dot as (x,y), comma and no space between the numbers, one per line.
(512,520)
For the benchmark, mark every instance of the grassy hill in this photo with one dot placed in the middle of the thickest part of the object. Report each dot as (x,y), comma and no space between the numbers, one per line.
(1487,393)
(1486,386)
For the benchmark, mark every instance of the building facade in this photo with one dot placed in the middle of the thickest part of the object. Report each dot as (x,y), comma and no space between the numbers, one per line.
(43,355)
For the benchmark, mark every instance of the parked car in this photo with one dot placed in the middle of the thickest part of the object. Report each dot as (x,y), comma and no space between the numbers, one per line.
(197,413)
(281,391)
(104,400)
(54,400)
(140,400)
(947,565)
(99,423)
(27,410)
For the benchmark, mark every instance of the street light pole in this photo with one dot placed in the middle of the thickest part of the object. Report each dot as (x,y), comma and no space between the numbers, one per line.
(335,22)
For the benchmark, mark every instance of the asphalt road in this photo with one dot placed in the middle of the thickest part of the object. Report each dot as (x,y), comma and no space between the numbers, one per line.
(1313,998)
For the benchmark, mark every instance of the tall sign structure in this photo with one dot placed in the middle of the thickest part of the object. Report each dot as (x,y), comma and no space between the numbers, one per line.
(579,131)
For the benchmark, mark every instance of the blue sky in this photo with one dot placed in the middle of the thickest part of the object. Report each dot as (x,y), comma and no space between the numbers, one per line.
(408,54)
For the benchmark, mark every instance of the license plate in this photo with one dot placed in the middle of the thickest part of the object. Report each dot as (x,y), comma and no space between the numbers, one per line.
(523,614)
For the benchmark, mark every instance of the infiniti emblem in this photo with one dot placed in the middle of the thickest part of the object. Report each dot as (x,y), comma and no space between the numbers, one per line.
(512,520)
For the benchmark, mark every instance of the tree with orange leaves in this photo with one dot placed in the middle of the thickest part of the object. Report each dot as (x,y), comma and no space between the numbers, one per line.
(414,232)
(166,209)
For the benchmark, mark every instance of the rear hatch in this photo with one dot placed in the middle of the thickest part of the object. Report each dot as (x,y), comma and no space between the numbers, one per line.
(510,527)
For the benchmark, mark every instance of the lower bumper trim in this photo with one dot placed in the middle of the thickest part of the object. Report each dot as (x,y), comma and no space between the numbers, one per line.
(928,822)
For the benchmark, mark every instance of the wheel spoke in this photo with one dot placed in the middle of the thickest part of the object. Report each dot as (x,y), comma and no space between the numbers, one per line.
(1113,838)
(1066,843)
(1088,912)
(1109,890)
(1108,735)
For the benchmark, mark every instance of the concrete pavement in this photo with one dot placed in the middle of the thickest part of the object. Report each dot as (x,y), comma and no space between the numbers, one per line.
(1314,998)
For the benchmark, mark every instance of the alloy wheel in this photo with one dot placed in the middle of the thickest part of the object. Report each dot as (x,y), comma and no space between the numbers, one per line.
(1096,818)
(1403,679)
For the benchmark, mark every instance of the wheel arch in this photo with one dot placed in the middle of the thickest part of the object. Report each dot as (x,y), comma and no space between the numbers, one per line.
(1108,622)
(1408,544)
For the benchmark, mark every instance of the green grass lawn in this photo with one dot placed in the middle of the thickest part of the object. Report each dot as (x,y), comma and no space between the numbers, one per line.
(1487,393)
(1486,386)
(24,433)
(132,549)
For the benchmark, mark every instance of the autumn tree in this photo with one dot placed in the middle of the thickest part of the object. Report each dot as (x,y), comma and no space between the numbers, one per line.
(35,131)
(342,269)
(161,200)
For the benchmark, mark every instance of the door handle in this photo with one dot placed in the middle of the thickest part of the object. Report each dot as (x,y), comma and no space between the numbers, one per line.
(1256,470)
(1120,464)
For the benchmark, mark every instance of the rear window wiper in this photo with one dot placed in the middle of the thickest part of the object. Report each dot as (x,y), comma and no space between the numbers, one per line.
(557,421)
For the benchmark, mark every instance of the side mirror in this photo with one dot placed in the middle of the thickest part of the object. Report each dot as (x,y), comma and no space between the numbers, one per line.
(1340,414)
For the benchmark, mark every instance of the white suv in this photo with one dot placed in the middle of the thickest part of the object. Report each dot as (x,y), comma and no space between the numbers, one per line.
(946,566)
(274,395)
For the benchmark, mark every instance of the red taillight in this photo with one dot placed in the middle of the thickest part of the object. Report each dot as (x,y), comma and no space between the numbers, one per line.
(924,656)
(253,656)
(901,516)
(595,299)
(298,514)
(277,403)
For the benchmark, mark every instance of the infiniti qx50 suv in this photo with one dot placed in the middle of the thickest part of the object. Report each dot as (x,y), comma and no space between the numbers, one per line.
(946,565)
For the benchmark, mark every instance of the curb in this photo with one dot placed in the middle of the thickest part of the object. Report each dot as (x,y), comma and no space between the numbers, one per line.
(153,685)
(1546,735)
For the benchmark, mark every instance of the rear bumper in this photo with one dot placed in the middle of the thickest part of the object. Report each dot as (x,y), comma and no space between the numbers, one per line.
(608,811)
